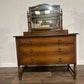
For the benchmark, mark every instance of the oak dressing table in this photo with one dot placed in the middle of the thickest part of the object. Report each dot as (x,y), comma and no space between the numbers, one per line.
(46,42)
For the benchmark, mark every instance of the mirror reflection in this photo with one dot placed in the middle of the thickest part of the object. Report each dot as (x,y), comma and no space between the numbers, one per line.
(45,16)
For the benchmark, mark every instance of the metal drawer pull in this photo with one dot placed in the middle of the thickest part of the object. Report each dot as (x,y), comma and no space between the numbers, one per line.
(60,59)
(31,50)
(59,49)
(32,60)
(59,40)
(30,41)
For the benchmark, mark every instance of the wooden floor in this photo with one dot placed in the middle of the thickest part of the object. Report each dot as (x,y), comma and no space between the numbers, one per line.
(42,75)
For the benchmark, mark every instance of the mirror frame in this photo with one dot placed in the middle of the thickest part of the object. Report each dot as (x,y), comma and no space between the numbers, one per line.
(42,29)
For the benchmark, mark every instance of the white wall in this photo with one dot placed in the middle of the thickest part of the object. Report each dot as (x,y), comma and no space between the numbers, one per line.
(13,21)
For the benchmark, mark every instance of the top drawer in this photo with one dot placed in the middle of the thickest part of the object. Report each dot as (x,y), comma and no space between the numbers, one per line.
(46,40)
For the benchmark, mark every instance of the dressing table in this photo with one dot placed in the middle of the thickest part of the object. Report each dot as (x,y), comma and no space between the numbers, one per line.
(46,42)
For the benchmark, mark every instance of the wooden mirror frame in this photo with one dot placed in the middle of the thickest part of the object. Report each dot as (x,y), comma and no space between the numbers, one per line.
(42,29)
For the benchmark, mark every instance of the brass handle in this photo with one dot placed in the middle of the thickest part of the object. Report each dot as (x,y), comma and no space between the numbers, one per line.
(59,40)
(31,50)
(59,49)
(32,60)
(60,59)
(30,41)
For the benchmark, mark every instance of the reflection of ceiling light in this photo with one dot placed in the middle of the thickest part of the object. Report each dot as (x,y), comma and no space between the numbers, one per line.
(47,11)
(37,12)
(40,21)
(50,8)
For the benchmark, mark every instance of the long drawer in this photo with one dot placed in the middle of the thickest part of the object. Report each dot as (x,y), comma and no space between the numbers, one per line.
(47,59)
(46,40)
(46,49)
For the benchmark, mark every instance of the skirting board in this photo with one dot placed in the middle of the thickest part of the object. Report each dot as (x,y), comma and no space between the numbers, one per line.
(8,64)
(80,62)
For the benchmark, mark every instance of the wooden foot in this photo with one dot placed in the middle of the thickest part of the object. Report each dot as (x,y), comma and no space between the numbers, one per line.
(19,73)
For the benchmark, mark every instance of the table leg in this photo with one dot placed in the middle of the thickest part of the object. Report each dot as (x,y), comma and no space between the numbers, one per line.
(19,72)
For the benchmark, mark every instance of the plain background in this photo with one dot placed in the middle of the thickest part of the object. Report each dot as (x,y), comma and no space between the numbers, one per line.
(13,21)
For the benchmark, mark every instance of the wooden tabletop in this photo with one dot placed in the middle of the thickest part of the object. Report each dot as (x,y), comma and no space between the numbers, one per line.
(52,35)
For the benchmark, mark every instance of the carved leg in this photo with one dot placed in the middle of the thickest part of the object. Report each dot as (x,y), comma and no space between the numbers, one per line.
(75,71)
(19,72)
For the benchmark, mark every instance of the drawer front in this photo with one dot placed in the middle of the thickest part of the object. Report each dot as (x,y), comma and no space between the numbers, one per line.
(46,49)
(48,59)
(46,40)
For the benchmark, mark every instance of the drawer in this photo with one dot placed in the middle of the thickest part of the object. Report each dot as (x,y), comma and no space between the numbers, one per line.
(46,40)
(47,59)
(69,48)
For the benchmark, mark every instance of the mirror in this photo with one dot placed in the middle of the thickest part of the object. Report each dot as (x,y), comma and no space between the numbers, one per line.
(45,16)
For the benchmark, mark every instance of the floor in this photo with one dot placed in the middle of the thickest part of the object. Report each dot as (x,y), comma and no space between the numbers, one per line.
(41,75)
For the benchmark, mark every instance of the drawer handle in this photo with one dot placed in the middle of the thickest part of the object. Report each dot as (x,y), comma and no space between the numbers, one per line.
(30,41)
(59,49)
(60,59)
(31,50)
(32,60)
(59,40)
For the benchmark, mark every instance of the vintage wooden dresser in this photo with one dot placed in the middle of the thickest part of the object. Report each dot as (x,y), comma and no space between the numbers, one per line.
(46,42)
